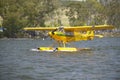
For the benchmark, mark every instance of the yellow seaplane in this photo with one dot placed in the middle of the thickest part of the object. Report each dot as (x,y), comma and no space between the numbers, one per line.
(64,35)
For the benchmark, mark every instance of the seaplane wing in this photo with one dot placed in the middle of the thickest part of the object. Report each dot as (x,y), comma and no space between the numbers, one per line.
(87,28)
(70,29)
(39,28)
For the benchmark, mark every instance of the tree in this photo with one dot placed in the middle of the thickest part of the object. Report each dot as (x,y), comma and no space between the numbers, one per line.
(88,12)
(11,14)
(113,13)
(21,13)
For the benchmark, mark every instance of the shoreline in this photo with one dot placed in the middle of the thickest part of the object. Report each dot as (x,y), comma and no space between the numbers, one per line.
(105,34)
(109,33)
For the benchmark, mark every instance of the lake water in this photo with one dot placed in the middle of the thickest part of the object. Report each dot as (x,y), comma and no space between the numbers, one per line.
(18,62)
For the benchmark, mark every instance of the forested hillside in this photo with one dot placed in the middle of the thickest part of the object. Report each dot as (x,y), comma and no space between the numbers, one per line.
(17,14)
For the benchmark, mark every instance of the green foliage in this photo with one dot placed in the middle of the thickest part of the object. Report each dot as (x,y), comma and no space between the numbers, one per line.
(21,13)
(82,13)
(113,13)
(17,14)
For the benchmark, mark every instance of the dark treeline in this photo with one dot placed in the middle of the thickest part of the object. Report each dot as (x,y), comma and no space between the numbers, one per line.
(18,14)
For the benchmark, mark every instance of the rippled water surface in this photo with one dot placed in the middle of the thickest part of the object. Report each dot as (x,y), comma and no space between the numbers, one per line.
(18,62)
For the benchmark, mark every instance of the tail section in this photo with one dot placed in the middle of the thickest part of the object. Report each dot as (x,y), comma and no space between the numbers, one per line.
(92,35)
